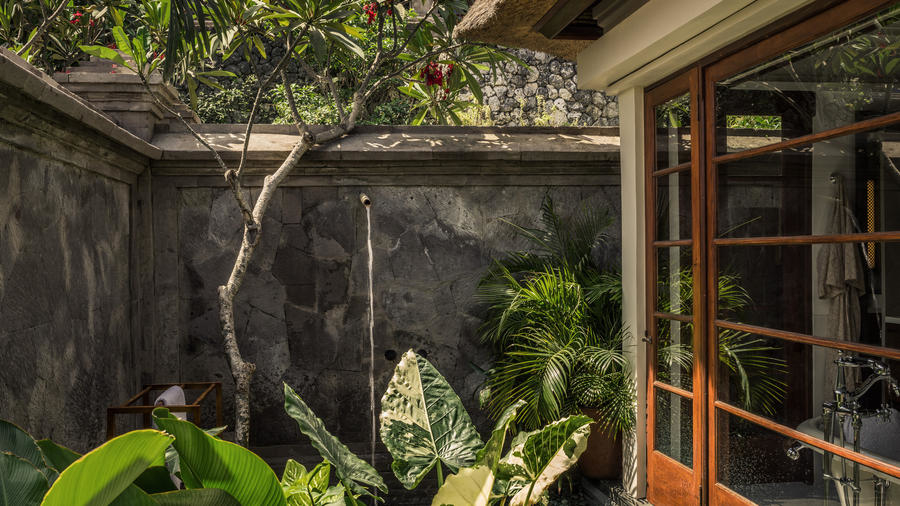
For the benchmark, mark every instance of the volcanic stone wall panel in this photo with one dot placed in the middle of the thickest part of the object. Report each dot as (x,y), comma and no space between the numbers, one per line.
(66,254)
(302,311)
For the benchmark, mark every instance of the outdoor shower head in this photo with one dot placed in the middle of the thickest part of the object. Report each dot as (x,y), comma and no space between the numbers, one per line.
(366,201)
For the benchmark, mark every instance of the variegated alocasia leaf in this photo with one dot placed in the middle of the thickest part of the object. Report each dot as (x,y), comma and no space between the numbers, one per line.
(423,422)
(542,456)
(471,486)
(353,472)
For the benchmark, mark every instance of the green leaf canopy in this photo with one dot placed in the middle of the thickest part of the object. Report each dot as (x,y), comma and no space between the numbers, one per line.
(221,464)
(423,422)
(350,469)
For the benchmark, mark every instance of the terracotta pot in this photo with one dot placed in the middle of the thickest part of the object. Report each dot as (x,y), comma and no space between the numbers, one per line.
(602,460)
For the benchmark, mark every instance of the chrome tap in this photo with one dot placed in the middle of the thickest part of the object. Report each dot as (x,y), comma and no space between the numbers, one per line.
(877,366)
(880,372)
(793,452)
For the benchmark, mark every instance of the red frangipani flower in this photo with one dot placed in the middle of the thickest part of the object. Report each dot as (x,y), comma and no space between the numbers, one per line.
(371,10)
(435,75)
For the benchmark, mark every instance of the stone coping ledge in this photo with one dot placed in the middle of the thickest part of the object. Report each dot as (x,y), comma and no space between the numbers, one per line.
(402,143)
(20,75)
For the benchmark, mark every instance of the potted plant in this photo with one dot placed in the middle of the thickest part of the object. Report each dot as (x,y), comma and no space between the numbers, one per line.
(554,323)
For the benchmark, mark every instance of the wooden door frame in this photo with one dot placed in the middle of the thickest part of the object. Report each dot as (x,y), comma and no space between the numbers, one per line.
(665,473)
(807,25)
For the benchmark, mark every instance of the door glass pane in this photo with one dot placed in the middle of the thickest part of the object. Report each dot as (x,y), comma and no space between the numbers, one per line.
(755,463)
(673,132)
(673,206)
(790,383)
(673,433)
(675,353)
(844,185)
(828,290)
(675,280)
(839,79)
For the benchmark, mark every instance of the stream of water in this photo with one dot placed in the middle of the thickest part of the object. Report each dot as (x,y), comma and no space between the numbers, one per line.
(368,205)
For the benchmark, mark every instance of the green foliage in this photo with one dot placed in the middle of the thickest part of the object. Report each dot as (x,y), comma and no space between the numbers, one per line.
(355,475)
(21,483)
(231,104)
(100,476)
(753,122)
(471,486)
(541,457)
(17,442)
(749,361)
(424,424)
(314,108)
(554,322)
(310,488)
(128,470)
(59,46)
(209,462)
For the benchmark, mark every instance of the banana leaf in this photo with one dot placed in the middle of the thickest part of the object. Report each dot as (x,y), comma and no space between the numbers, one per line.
(221,464)
(102,475)
(21,484)
(16,441)
(196,497)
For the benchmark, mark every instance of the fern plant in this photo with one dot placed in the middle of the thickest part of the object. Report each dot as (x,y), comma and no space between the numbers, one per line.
(554,322)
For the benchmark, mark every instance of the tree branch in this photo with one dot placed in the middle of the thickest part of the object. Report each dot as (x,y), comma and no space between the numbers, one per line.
(235,185)
(43,28)
(416,28)
(289,95)
(262,87)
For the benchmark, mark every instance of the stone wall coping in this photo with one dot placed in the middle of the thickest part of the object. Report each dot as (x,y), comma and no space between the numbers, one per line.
(402,143)
(17,73)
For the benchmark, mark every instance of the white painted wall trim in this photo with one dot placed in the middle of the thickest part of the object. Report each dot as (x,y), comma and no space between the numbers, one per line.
(631,132)
(664,36)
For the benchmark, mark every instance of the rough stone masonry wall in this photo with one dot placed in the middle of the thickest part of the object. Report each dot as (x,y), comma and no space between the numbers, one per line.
(66,348)
(302,311)
(544,93)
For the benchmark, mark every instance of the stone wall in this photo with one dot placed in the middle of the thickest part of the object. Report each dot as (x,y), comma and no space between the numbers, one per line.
(67,309)
(439,197)
(544,93)
(112,249)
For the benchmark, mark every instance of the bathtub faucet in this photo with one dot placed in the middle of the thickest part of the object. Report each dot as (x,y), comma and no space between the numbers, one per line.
(880,372)
(877,366)
(793,452)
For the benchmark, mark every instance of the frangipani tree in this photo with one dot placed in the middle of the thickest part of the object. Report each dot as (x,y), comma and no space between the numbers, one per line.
(352,50)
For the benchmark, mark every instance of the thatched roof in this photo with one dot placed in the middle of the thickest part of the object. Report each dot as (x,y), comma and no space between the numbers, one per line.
(510,23)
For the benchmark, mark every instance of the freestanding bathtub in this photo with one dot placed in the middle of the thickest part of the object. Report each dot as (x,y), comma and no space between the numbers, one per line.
(879,439)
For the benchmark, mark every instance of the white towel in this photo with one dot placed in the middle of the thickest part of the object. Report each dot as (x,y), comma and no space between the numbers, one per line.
(173,396)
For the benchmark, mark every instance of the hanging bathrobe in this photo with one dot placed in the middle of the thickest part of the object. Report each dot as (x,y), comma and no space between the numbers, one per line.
(841,281)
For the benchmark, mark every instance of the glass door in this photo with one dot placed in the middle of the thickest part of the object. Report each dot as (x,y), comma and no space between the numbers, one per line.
(676,386)
(803,229)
